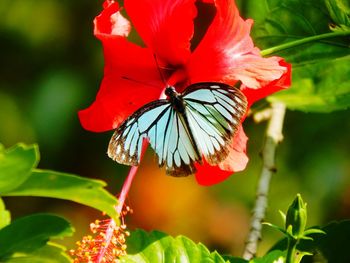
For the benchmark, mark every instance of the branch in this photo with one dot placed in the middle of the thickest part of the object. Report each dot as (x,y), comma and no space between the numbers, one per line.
(273,137)
(305,40)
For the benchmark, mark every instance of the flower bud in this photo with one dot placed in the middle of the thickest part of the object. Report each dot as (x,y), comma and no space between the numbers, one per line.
(296,217)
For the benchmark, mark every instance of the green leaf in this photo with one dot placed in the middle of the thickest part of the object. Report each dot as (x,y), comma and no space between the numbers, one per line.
(323,87)
(275,256)
(5,216)
(234,259)
(32,232)
(50,253)
(339,10)
(282,230)
(16,164)
(157,247)
(319,65)
(85,191)
(282,21)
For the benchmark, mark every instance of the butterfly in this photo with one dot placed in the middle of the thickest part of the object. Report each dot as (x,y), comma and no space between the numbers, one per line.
(182,129)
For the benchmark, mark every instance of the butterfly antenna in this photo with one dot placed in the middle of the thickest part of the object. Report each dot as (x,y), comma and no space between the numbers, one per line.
(140,82)
(159,70)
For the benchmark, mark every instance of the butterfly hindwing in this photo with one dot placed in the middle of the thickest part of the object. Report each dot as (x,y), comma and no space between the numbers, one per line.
(166,131)
(214,112)
(125,145)
(210,116)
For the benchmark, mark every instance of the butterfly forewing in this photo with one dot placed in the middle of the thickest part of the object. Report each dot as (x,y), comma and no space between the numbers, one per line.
(214,112)
(166,131)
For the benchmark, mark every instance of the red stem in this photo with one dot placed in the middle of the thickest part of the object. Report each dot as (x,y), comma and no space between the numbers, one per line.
(126,188)
(121,200)
(112,224)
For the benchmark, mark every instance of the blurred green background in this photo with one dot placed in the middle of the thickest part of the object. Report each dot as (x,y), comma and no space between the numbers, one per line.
(51,67)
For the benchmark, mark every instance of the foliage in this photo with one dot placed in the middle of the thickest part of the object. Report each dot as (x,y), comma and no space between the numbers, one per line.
(156,246)
(329,247)
(159,247)
(26,239)
(320,65)
(329,242)
(294,230)
(19,177)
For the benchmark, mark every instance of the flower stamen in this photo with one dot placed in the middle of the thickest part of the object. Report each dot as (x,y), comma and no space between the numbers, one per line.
(95,249)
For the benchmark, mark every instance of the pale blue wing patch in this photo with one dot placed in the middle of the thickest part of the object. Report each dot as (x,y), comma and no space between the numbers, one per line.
(214,112)
(205,95)
(179,151)
(209,139)
(125,145)
(167,133)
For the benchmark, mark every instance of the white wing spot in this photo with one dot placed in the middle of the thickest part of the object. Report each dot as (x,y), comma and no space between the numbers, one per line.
(177,159)
(130,121)
(238,100)
(118,149)
(240,109)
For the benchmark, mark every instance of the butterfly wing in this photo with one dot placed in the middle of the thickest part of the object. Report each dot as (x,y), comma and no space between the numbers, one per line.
(167,133)
(214,111)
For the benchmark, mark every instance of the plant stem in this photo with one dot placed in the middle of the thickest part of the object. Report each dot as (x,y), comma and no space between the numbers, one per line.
(273,137)
(112,224)
(292,244)
(303,41)
(126,188)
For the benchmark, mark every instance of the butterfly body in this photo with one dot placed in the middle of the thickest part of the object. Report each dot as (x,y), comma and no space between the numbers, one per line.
(175,99)
(182,129)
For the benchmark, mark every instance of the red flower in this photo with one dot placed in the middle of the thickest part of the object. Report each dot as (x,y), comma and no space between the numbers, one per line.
(225,54)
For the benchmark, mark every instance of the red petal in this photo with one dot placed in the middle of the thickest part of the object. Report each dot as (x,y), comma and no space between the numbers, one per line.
(131,78)
(235,162)
(165,26)
(227,52)
(116,100)
(237,159)
(208,175)
(267,89)
(111,22)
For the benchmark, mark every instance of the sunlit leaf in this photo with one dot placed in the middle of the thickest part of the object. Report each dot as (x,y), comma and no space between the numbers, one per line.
(32,232)
(283,21)
(234,259)
(5,217)
(275,256)
(339,10)
(82,190)
(323,87)
(320,71)
(158,247)
(16,164)
(50,253)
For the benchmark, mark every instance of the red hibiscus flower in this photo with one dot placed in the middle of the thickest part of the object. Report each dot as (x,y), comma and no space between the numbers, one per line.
(226,53)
